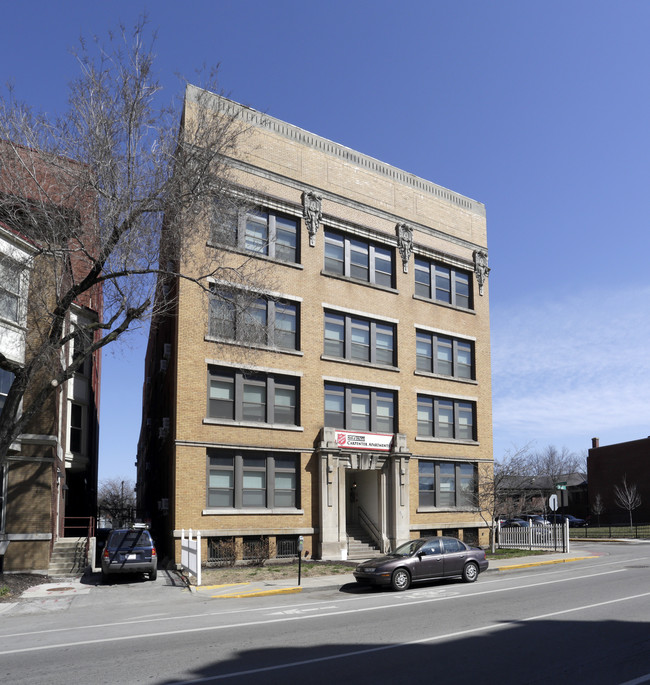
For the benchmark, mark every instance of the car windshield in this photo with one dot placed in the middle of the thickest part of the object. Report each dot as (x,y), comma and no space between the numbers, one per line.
(408,548)
(129,538)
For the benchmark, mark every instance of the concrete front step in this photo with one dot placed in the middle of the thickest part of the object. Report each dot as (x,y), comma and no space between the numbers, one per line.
(68,557)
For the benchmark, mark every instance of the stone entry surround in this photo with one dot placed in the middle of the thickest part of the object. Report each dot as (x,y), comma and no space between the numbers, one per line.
(392,505)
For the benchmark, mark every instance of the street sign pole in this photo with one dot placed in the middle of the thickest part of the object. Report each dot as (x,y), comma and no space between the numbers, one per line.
(301,540)
(552,503)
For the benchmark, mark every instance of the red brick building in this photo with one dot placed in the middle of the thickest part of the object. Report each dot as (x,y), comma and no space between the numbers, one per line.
(50,474)
(606,468)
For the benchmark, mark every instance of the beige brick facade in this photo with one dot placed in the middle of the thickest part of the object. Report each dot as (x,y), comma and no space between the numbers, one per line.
(362,203)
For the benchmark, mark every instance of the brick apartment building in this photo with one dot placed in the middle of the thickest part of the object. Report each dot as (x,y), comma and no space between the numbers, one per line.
(365,404)
(50,474)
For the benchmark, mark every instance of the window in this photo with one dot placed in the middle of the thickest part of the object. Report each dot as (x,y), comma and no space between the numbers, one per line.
(10,273)
(81,342)
(261,231)
(6,379)
(359,259)
(443,418)
(442,283)
(447,484)
(356,339)
(445,356)
(359,408)
(252,480)
(254,320)
(76,428)
(256,398)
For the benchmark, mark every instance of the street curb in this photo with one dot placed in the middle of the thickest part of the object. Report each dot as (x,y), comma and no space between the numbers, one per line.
(260,593)
(542,563)
(294,590)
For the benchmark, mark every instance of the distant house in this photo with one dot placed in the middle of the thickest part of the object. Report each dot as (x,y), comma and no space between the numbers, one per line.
(607,466)
(50,475)
(530,494)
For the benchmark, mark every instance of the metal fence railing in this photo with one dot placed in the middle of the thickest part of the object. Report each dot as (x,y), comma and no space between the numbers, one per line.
(551,537)
(286,547)
(637,531)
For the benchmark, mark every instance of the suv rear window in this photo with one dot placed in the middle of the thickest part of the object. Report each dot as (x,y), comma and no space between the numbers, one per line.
(130,538)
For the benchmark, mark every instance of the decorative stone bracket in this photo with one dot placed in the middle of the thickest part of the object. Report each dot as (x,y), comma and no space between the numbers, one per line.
(481,268)
(312,213)
(405,244)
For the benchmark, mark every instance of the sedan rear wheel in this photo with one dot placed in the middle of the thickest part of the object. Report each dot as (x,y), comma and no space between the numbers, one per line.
(400,580)
(470,572)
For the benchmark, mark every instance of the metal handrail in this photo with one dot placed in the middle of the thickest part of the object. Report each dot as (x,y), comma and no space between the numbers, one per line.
(370,527)
(87,524)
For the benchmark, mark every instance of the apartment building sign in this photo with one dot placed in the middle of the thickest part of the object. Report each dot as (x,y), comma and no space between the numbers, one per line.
(378,442)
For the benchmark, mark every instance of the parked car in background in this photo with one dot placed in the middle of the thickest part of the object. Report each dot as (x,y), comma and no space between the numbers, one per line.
(515,523)
(536,520)
(129,550)
(423,559)
(574,522)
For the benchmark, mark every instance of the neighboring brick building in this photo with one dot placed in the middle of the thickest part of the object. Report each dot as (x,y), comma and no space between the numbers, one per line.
(51,470)
(606,467)
(366,404)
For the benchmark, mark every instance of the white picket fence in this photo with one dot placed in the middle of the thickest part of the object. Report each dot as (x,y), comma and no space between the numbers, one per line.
(191,554)
(553,537)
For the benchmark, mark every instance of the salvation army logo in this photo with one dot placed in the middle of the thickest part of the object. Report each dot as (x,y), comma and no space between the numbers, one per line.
(340,439)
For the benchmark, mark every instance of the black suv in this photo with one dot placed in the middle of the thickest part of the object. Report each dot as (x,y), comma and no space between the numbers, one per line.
(129,550)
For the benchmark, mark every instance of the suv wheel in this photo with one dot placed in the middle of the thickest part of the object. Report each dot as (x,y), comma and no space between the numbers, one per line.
(153,574)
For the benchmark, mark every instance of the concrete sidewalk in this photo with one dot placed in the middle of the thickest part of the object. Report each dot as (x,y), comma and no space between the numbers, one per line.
(285,586)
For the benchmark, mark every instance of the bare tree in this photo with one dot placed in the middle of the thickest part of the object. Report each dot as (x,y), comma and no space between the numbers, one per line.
(101,197)
(553,463)
(116,500)
(493,494)
(627,497)
(598,508)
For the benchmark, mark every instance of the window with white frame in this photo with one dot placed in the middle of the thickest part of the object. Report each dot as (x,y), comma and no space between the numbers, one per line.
(234,395)
(445,418)
(258,480)
(10,277)
(444,355)
(81,341)
(359,339)
(244,318)
(77,432)
(351,407)
(359,259)
(446,484)
(443,283)
(6,379)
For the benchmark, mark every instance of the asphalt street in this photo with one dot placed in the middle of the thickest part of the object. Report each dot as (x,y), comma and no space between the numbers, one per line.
(586,621)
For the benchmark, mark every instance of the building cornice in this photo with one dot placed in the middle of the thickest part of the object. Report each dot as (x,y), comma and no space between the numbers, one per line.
(253,117)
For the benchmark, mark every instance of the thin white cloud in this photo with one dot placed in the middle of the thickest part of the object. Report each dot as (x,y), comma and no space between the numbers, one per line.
(568,368)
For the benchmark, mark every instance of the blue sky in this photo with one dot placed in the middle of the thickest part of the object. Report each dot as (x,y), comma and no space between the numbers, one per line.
(540,110)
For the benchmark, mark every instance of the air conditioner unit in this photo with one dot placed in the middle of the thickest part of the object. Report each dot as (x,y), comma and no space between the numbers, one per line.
(165,422)
(167,350)
(162,432)
(163,504)
(163,365)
